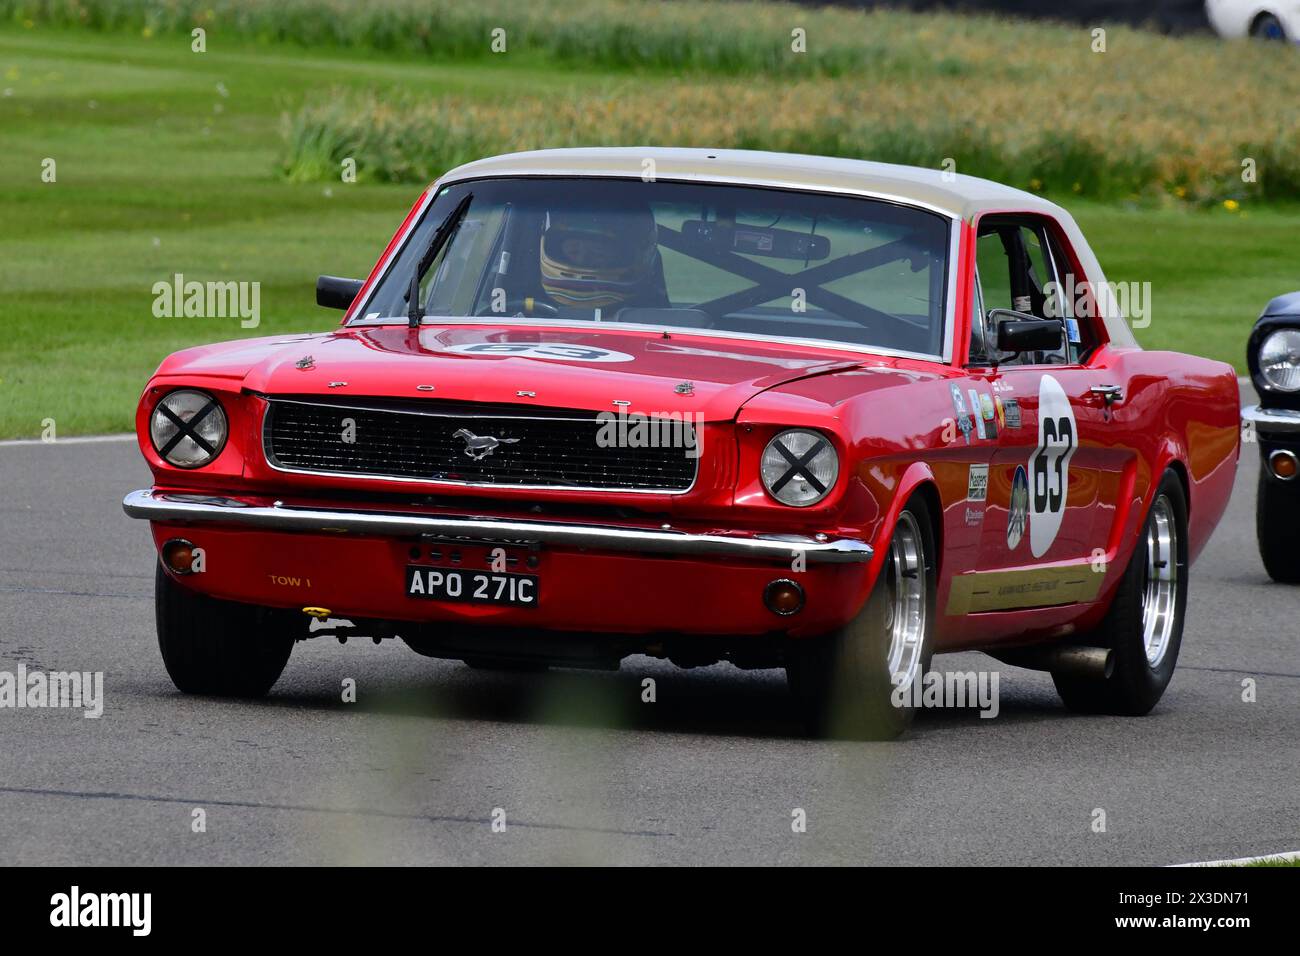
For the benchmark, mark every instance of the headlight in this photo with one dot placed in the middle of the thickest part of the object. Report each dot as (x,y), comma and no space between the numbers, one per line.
(1279,360)
(799,467)
(188,428)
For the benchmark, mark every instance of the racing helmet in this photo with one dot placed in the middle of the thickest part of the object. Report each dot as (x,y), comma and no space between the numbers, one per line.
(598,258)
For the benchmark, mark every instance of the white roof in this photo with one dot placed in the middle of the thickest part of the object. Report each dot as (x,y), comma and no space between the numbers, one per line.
(955,195)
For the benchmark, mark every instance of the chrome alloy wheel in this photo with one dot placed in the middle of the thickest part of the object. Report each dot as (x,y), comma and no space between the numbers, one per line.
(1160,589)
(905,610)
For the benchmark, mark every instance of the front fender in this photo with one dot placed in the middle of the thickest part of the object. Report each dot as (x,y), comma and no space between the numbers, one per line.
(914,476)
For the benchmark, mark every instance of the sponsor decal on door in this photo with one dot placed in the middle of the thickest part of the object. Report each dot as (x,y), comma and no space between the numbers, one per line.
(1049,465)
(975,413)
(1018,512)
(959,406)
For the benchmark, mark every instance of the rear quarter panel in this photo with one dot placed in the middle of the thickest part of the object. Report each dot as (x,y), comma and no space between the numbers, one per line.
(1185,413)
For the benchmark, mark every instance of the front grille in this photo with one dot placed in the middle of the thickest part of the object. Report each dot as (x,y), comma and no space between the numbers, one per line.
(552,448)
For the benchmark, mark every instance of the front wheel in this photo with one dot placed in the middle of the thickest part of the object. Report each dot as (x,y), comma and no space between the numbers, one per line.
(856,682)
(1144,625)
(218,647)
(1267,27)
(1277,516)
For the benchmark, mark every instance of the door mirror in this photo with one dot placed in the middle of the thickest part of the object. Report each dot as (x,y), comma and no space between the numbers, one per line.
(1018,332)
(335,293)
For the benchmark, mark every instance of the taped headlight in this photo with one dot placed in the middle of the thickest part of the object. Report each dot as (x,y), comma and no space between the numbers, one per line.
(799,467)
(1279,360)
(188,428)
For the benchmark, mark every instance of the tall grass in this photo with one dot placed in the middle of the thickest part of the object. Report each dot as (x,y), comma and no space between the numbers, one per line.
(1033,105)
(608,34)
(401,138)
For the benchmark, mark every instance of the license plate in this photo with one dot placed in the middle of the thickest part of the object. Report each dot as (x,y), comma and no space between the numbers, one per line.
(476,587)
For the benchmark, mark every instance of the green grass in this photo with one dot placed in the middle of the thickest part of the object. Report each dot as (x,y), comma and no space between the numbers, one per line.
(1271,863)
(1211,272)
(611,34)
(153,180)
(1033,104)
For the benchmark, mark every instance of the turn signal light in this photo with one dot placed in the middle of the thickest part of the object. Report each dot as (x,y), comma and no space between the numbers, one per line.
(783,597)
(178,556)
(1283,465)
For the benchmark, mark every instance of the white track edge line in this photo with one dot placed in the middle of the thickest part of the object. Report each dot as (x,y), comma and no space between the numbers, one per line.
(77,440)
(1266,858)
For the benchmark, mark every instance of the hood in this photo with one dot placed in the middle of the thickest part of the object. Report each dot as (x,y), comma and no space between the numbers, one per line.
(560,368)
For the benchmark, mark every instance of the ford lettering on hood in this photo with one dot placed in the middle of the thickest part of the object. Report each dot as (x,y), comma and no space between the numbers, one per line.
(559,369)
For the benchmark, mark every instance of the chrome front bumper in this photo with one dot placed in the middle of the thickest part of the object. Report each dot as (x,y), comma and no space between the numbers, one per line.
(1270,420)
(161,506)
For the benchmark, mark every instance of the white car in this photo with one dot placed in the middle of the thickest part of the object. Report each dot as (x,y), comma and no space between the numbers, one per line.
(1262,19)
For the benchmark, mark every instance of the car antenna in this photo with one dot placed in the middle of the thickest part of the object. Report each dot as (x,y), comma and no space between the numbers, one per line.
(414,314)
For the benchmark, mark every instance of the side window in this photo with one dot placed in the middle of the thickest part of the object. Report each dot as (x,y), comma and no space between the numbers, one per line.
(1074,304)
(1016,260)
(1040,273)
(994,271)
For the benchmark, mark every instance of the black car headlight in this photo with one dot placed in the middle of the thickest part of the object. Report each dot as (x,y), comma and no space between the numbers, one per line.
(1279,360)
(799,467)
(188,428)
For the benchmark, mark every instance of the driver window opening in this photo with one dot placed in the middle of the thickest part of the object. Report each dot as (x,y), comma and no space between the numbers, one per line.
(1017,269)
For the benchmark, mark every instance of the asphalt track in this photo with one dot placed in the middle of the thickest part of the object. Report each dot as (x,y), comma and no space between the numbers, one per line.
(583,770)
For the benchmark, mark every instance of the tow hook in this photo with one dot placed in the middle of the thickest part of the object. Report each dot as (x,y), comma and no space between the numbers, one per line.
(321,621)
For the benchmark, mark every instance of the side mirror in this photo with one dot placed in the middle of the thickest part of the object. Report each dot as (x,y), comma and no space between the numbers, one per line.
(1018,332)
(335,293)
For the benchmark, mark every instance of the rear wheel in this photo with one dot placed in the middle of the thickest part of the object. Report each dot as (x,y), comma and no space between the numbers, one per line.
(856,683)
(218,647)
(1144,625)
(1277,518)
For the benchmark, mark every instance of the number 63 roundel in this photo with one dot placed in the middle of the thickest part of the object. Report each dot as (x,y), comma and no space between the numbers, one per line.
(1049,465)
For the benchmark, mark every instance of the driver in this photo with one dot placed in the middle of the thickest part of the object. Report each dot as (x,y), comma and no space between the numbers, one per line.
(602,258)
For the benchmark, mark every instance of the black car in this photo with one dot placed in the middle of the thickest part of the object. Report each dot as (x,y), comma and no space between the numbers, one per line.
(1273,354)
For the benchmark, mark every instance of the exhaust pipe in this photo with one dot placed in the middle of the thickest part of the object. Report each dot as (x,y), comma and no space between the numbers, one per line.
(1096,663)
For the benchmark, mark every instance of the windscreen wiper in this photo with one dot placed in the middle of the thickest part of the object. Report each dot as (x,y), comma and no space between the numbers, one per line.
(415,314)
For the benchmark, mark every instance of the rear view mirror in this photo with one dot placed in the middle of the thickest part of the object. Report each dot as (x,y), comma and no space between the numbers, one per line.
(335,293)
(1018,332)
(757,240)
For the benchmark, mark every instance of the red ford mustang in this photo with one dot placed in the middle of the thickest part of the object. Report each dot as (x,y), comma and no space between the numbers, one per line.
(819,414)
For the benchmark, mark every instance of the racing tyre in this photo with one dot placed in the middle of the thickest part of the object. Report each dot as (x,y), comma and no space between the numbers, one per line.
(218,647)
(1267,27)
(1144,625)
(1277,515)
(844,683)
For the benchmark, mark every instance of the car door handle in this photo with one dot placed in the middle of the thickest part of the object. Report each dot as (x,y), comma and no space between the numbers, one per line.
(1111,393)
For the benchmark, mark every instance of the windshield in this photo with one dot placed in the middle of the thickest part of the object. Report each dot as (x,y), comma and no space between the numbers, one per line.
(729,259)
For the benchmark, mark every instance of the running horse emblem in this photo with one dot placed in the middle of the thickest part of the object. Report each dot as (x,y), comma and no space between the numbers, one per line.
(479,447)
